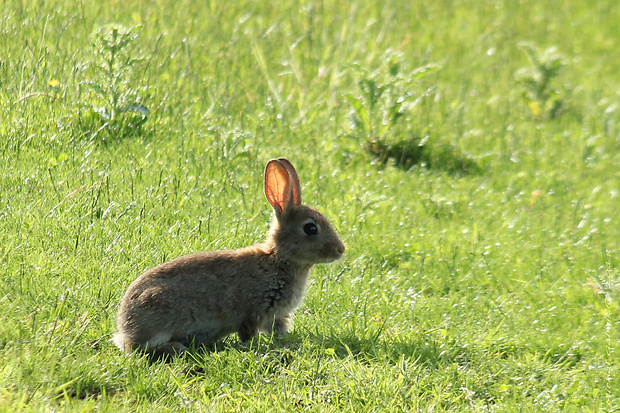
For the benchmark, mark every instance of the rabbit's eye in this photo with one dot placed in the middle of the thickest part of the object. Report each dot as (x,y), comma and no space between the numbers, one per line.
(311,229)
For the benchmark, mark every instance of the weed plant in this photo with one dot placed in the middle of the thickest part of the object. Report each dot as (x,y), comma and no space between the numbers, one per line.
(380,117)
(112,110)
(539,93)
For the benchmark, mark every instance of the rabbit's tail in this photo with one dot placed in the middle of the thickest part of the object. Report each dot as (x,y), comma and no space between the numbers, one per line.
(121,341)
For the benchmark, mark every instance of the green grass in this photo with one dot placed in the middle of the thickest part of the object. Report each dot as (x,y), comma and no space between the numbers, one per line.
(492,291)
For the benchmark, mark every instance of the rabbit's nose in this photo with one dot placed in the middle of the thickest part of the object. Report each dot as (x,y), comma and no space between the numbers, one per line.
(340,248)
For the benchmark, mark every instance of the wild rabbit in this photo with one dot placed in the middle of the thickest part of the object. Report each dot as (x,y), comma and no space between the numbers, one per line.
(206,296)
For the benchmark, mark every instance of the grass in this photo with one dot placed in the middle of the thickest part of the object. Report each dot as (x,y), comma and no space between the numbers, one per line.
(493,291)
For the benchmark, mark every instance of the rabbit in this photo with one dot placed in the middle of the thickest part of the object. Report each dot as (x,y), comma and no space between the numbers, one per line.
(203,297)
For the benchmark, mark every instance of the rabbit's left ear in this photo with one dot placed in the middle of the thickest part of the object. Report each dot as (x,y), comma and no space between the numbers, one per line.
(281,185)
(293,182)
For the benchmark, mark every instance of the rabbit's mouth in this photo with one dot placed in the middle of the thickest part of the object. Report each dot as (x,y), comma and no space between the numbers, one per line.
(332,253)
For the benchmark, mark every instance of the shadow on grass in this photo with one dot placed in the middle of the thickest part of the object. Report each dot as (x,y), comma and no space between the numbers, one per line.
(368,350)
(407,153)
(276,353)
(282,351)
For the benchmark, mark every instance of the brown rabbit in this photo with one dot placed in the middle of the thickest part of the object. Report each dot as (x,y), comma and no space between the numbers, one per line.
(206,296)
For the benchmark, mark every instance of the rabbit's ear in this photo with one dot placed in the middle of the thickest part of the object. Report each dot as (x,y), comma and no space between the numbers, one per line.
(294,180)
(278,186)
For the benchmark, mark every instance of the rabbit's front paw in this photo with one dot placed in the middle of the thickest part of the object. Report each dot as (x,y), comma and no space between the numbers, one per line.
(278,326)
(247,330)
(170,348)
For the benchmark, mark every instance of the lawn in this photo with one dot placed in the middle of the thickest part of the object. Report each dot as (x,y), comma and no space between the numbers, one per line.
(467,152)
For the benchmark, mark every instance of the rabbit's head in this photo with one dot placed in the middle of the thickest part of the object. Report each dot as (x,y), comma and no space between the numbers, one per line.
(299,233)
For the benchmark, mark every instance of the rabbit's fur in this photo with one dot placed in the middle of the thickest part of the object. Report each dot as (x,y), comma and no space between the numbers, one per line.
(206,296)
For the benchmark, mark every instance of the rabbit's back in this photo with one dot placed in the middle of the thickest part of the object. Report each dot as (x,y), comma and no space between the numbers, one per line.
(206,296)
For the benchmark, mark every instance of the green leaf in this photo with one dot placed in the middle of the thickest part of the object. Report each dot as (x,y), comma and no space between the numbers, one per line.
(360,111)
(421,72)
(103,112)
(141,109)
(95,87)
